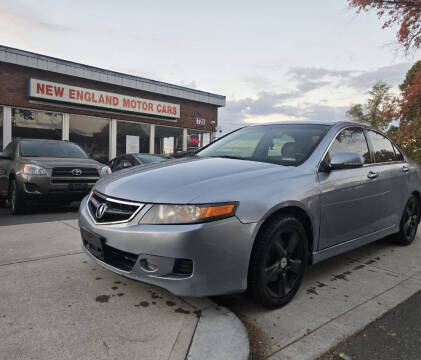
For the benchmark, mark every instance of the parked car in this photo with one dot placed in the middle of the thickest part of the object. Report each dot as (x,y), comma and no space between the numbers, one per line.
(253,209)
(34,170)
(129,160)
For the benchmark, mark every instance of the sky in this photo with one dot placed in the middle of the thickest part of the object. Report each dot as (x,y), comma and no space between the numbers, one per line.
(273,60)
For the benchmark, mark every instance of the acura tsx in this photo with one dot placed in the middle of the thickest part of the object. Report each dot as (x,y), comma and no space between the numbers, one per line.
(253,209)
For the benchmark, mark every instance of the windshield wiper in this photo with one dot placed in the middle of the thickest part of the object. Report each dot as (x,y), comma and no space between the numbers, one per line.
(229,157)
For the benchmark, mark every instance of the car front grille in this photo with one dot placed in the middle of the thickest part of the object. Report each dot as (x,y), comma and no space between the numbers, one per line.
(110,211)
(74,175)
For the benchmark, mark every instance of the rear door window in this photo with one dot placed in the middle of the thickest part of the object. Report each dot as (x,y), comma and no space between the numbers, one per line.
(382,147)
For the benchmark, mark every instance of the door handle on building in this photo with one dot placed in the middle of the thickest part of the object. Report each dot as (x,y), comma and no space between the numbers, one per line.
(372,175)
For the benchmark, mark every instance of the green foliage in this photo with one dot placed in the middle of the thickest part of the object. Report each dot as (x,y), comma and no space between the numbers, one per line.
(372,112)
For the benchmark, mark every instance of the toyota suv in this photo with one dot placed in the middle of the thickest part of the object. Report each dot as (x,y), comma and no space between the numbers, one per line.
(33,170)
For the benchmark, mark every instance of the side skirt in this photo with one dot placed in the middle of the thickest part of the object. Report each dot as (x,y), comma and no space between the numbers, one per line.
(353,244)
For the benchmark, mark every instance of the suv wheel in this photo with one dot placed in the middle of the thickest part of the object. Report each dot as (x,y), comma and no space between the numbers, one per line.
(409,222)
(278,262)
(17,203)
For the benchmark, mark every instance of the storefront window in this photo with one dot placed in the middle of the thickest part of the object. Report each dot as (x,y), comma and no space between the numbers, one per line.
(1,128)
(132,137)
(92,134)
(197,139)
(36,124)
(168,140)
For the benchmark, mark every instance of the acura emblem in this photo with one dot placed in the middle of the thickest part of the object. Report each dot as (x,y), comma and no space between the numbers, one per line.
(101,211)
(77,172)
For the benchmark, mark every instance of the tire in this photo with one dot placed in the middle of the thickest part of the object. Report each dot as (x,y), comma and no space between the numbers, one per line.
(278,262)
(17,203)
(409,222)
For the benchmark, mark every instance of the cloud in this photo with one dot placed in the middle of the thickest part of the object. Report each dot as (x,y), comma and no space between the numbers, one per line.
(393,75)
(314,73)
(310,83)
(12,19)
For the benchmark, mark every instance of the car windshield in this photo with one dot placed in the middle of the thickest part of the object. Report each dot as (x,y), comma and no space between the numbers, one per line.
(51,149)
(149,158)
(286,144)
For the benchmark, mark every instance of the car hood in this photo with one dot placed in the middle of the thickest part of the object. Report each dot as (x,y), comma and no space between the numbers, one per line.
(50,163)
(183,180)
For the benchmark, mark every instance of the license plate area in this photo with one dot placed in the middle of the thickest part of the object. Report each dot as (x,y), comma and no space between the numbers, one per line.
(78,186)
(94,243)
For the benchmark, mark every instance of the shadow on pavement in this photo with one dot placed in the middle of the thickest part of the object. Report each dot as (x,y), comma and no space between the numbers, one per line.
(40,213)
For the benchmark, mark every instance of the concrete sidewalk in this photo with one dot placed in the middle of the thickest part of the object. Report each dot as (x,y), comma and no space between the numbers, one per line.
(337,298)
(56,304)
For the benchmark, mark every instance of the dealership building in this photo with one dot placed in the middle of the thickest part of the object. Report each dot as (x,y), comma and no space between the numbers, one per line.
(107,113)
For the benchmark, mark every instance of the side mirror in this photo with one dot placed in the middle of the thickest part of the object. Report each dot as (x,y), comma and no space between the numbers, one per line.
(4,156)
(345,160)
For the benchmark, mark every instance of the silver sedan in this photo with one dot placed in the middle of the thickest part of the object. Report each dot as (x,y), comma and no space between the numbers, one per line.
(252,210)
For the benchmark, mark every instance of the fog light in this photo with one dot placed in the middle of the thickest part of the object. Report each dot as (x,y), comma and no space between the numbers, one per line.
(148,265)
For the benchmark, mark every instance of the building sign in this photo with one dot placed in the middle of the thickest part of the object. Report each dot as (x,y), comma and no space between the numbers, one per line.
(47,90)
(200,121)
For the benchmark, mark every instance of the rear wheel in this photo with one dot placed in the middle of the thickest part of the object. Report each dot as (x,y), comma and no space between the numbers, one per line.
(17,204)
(409,222)
(278,262)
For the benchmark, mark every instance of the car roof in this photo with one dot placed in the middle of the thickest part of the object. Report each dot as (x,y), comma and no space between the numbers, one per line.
(312,122)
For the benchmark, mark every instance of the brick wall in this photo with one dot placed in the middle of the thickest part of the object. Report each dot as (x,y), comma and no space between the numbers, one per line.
(14,82)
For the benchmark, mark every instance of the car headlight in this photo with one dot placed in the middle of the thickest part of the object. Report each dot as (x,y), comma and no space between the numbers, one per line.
(104,171)
(187,214)
(29,169)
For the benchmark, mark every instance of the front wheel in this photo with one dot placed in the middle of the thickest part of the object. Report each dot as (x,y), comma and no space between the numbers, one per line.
(17,203)
(409,222)
(278,262)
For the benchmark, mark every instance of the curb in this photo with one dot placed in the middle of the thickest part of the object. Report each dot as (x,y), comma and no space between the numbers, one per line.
(219,335)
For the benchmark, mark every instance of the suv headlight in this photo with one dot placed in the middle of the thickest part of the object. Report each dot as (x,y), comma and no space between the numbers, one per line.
(104,171)
(187,214)
(29,169)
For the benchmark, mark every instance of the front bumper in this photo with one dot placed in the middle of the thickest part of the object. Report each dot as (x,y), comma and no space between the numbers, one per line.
(220,252)
(40,188)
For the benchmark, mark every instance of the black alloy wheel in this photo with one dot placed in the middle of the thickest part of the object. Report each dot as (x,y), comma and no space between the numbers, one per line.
(278,262)
(409,222)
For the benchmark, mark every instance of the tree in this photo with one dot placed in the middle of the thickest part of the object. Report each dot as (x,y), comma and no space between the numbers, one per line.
(373,112)
(404,13)
(407,110)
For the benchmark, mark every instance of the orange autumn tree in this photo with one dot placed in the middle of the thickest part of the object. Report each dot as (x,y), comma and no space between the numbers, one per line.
(406,14)
(407,110)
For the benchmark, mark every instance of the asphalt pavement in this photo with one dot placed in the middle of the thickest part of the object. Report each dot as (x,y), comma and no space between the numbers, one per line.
(40,213)
(396,335)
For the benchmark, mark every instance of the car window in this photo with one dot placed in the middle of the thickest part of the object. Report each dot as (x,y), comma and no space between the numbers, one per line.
(51,149)
(146,158)
(118,164)
(284,144)
(351,140)
(398,154)
(382,147)
(111,163)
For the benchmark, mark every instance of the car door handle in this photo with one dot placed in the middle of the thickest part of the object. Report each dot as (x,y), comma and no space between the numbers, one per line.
(372,175)
(405,168)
